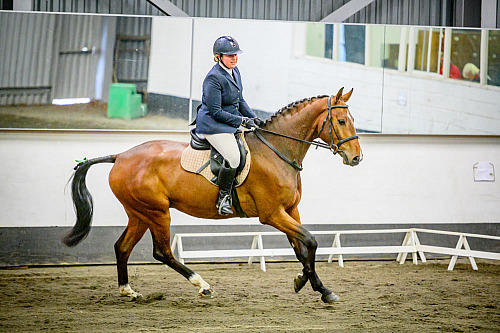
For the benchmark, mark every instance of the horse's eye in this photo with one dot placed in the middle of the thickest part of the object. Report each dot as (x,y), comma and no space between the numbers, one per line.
(342,121)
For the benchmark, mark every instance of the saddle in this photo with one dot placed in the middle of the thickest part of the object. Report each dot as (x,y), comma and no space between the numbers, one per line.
(200,154)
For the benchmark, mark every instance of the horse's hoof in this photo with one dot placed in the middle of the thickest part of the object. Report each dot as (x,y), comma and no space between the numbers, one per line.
(329,298)
(126,291)
(299,282)
(207,293)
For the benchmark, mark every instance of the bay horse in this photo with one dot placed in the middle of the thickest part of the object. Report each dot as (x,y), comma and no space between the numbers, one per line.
(148,180)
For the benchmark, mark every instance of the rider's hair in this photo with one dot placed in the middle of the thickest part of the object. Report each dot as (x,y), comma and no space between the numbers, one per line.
(217,57)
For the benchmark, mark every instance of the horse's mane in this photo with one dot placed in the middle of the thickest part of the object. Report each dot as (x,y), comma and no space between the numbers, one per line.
(290,107)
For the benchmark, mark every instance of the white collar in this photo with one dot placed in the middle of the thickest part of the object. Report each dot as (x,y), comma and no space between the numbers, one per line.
(230,71)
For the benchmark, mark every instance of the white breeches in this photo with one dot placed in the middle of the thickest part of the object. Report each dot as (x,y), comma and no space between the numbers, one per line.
(226,145)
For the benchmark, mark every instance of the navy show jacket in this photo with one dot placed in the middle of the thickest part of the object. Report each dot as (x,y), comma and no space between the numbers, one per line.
(222,104)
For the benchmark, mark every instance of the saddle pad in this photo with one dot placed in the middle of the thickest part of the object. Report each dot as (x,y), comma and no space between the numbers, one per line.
(192,160)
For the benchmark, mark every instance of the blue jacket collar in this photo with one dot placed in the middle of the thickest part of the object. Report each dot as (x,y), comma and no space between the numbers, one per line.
(236,82)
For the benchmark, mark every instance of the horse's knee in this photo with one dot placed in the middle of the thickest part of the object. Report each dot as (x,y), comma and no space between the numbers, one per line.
(120,251)
(310,242)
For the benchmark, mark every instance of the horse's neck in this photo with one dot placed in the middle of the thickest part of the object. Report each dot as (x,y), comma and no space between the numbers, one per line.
(300,124)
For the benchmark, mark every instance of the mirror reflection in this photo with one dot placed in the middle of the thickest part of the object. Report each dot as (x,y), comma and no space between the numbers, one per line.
(65,71)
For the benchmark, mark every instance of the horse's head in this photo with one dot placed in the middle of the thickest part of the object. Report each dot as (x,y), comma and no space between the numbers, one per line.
(336,128)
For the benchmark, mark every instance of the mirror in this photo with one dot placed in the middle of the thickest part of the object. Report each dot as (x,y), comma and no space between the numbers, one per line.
(69,71)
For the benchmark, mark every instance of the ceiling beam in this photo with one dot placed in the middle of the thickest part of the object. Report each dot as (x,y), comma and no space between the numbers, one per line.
(346,11)
(168,8)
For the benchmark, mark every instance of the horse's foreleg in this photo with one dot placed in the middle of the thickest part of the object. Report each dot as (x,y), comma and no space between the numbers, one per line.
(301,253)
(305,246)
(162,252)
(123,247)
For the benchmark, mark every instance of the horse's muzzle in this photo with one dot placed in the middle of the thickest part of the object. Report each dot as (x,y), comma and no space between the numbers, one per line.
(355,161)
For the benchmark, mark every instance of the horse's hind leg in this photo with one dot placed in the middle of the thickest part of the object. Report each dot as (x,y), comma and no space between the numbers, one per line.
(162,252)
(123,247)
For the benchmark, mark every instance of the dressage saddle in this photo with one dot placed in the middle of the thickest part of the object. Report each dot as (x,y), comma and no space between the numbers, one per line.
(216,159)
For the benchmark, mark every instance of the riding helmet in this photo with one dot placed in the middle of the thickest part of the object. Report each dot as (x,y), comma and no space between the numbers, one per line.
(226,45)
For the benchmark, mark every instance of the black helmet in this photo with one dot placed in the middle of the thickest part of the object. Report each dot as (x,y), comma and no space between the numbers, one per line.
(226,45)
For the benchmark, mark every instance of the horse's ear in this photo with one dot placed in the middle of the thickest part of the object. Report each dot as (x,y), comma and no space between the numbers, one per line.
(339,95)
(346,97)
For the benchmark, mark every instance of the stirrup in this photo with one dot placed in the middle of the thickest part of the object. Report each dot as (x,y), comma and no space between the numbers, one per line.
(224,205)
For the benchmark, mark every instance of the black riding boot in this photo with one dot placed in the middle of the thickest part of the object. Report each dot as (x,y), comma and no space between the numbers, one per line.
(226,180)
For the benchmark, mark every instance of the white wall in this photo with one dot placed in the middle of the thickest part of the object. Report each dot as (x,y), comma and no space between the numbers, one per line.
(402,179)
(170,58)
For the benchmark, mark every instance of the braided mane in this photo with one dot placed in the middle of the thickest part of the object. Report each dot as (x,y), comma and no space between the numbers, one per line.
(290,107)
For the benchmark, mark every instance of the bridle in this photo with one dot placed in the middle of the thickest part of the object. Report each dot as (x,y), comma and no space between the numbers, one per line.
(334,148)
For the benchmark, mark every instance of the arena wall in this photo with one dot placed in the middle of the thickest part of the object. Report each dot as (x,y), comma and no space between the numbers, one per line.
(402,180)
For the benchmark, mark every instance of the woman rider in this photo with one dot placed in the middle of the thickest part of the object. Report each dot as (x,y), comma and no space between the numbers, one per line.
(222,111)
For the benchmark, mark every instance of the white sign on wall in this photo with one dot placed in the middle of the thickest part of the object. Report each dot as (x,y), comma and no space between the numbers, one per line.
(484,172)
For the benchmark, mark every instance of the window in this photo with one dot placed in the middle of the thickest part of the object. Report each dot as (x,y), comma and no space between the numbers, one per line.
(352,43)
(465,54)
(428,50)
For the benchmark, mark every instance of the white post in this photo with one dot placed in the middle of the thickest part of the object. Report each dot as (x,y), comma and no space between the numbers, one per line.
(483,65)
(454,258)
(471,259)
(262,258)
(417,245)
(336,244)
(413,244)
(401,258)
(179,250)
(174,242)
(254,244)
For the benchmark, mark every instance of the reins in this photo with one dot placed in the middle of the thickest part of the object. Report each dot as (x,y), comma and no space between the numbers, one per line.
(334,148)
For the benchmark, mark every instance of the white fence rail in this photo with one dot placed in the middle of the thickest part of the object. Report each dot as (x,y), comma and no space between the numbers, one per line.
(411,244)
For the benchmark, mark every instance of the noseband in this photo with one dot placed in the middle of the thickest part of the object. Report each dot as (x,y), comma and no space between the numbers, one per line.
(334,148)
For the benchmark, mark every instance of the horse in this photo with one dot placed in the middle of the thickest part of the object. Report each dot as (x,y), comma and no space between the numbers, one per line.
(148,180)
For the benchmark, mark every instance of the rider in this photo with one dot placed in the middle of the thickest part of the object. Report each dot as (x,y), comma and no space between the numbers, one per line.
(222,111)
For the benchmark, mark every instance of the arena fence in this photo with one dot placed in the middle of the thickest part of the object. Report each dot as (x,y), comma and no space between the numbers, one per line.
(411,244)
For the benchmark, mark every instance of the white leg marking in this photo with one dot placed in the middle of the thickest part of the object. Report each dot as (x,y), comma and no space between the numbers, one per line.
(197,281)
(125,290)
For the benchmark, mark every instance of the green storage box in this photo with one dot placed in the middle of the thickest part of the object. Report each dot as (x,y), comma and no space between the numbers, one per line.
(124,102)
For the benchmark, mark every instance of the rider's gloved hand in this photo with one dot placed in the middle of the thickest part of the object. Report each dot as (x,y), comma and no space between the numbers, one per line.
(248,123)
(259,122)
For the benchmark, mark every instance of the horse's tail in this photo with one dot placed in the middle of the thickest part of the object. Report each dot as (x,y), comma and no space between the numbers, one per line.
(82,200)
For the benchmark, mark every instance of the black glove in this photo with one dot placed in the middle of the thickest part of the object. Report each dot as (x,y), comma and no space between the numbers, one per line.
(248,123)
(259,122)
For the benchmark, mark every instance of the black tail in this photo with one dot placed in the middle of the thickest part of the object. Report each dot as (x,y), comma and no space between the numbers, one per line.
(82,200)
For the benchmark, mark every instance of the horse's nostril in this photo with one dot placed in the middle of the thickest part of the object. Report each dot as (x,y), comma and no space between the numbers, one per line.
(355,160)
